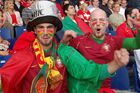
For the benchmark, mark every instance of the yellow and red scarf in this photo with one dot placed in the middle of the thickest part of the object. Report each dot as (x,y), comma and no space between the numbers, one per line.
(48,75)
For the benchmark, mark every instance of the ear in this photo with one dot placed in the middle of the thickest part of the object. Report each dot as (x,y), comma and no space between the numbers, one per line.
(35,30)
(107,24)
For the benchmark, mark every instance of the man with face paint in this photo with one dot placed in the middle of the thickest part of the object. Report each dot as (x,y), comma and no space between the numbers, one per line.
(36,68)
(99,47)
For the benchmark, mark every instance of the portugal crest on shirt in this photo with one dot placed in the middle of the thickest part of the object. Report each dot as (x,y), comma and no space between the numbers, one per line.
(106,47)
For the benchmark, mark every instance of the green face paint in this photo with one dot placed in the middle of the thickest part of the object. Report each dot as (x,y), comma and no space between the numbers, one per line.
(133,17)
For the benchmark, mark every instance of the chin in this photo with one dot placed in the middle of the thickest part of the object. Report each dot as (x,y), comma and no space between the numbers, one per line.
(99,36)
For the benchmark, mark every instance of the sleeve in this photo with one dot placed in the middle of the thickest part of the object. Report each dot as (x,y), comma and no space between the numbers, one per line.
(120,31)
(132,43)
(74,42)
(20,22)
(79,67)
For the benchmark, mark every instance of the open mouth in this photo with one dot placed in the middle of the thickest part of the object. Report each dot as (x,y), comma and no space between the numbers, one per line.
(98,29)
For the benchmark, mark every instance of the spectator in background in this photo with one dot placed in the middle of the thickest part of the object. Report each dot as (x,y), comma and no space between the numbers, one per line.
(72,22)
(115,19)
(4,51)
(2,18)
(18,6)
(109,4)
(26,13)
(4,46)
(94,4)
(123,7)
(5,28)
(104,7)
(84,13)
(128,28)
(12,16)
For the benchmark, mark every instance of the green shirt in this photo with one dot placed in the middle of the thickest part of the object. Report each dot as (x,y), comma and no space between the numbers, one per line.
(83,76)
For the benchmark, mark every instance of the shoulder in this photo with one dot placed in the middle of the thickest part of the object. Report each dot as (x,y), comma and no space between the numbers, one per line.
(82,38)
(26,53)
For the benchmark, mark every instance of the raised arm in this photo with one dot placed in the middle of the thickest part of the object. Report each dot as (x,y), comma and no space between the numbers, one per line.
(132,43)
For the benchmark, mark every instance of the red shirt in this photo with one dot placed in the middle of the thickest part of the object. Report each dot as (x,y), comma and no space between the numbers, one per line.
(100,53)
(14,19)
(124,31)
(84,15)
(60,9)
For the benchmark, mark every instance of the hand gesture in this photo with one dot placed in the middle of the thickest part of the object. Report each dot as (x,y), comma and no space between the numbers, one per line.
(121,57)
(68,35)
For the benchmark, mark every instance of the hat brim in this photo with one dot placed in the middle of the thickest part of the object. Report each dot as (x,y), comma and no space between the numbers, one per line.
(44,19)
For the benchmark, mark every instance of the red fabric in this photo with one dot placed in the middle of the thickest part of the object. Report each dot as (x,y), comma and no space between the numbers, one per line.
(25,4)
(97,52)
(94,51)
(124,31)
(60,9)
(82,25)
(18,73)
(14,71)
(84,15)
(24,41)
(106,90)
(14,19)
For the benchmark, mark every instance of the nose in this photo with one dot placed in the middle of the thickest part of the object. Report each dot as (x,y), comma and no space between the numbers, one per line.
(45,30)
(98,22)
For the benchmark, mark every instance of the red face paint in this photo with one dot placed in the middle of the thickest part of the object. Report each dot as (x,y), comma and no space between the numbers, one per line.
(50,32)
(40,32)
(94,23)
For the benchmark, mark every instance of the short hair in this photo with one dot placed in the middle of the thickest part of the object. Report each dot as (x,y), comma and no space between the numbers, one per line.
(65,7)
(91,15)
(115,3)
(128,11)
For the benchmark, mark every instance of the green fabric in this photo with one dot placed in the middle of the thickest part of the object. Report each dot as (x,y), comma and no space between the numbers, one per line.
(68,24)
(132,43)
(97,40)
(83,76)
